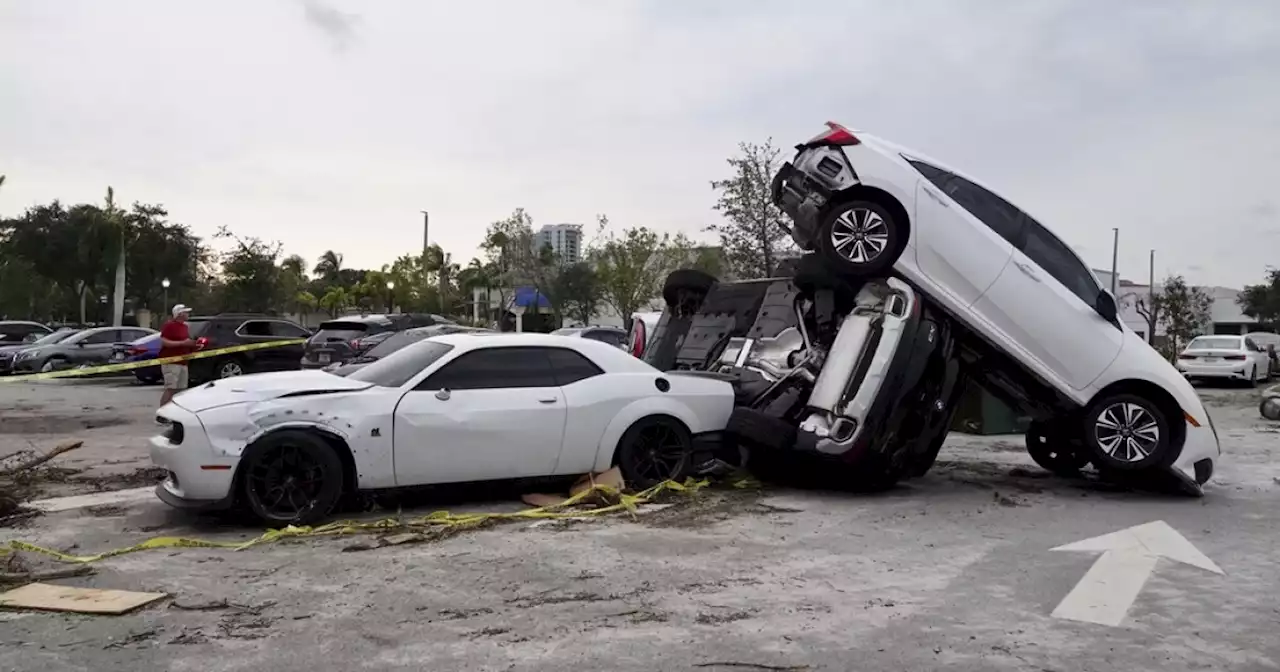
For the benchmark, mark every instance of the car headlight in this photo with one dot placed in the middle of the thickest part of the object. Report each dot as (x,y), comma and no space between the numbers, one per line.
(27,354)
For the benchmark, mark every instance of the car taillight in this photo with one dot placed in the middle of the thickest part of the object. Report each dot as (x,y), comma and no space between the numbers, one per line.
(1235,358)
(637,339)
(137,350)
(355,344)
(836,135)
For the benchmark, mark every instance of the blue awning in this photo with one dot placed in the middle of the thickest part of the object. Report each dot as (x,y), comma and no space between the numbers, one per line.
(529,297)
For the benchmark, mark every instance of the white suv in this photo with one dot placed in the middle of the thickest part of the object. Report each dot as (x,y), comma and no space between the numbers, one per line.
(1043,333)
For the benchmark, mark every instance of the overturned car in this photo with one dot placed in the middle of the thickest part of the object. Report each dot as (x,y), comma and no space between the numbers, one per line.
(917,278)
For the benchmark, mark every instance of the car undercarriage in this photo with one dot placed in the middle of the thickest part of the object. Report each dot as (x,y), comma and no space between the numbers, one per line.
(863,375)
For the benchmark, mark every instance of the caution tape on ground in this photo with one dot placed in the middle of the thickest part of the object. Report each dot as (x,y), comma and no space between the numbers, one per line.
(437,523)
(129,366)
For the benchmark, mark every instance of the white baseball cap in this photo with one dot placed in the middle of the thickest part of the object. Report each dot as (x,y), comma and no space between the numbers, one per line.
(180,309)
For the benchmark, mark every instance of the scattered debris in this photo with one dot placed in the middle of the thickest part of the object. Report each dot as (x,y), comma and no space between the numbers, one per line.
(105,510)
(190,636)
(755,666)
(489,632)
(610,482)
(31,577)
(41,459)
(720,619)
(1003,500)
(50,597)
(133,638)
(389,540)
(461,614)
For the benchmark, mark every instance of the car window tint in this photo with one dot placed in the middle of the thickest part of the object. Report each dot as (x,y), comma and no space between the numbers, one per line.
(490,368)
(286,330)
(934,174)
(1052,255)
(998,214)
(570,366)
(1248,343)
(255,328)
(101,337)
(609,336)
(130,335)
(401,366)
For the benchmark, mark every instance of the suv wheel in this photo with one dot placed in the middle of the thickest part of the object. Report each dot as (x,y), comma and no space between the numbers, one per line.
(1050,447)
(861,238)
(229,368)
(1126,432)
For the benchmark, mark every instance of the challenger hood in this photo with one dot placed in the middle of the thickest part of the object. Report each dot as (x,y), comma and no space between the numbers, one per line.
(264,387)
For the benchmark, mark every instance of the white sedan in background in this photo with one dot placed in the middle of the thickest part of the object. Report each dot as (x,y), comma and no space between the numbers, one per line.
(1224,358)
(449,409)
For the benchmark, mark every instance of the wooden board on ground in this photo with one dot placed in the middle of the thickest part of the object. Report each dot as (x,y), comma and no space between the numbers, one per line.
(49,597)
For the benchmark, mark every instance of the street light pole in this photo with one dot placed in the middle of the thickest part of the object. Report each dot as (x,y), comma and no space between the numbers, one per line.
(1115,248)
(165,283)
(1151,299)
(426,244)
(391,297)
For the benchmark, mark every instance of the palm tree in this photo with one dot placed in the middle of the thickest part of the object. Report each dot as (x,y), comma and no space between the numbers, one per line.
(334,300)
(119,226)
(329,265)
(294,265)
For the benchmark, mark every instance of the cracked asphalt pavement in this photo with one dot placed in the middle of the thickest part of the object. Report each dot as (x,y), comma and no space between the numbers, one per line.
(951,570)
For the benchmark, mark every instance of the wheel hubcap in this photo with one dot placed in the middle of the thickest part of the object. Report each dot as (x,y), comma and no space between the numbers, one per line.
(230,370)
(286,481)
(859,235)
(660,452)
(1127,432)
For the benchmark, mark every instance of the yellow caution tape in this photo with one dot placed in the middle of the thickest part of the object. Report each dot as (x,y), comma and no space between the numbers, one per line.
(129,366)
(435,521)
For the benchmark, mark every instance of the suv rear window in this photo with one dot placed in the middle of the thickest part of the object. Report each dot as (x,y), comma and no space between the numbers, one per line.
(341,331)
(197,327)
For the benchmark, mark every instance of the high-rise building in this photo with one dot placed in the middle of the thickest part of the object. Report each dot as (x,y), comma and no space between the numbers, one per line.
(564,239)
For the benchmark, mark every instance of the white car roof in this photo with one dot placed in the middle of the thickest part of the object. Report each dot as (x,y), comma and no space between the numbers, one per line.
(608,357)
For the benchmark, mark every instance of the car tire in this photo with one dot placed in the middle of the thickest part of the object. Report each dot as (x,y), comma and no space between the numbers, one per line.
(52,364)
(685,284)
(1054,452)
(757,429)
(1269,408)
(653,450)
(297,466)
(228,368)
(1147,442)
(860,226)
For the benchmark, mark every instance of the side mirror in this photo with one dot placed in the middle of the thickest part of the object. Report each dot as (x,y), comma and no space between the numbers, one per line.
(443,395)
(1106,306)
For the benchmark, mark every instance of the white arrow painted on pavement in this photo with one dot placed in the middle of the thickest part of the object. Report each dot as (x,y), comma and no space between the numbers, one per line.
(1129,556)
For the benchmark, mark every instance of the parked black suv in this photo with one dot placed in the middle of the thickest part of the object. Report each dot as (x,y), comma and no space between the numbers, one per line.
(225,330)
(346,337)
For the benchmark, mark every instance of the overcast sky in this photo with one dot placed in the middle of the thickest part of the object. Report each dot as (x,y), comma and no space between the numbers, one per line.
(332,123)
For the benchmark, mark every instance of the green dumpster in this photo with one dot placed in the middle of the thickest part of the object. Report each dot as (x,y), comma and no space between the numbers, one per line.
(982,413)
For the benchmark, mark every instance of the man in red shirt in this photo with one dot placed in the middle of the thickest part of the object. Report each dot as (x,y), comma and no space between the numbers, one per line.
(175,340)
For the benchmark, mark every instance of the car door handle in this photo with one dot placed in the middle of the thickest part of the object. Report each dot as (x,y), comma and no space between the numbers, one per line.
(1027,270)
(547,400)
(935,197)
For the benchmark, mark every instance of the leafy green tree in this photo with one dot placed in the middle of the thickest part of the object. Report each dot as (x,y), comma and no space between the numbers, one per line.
(250,274)
(580,292)
(1183,310)
(1262,301)
(160,250)
(752,232)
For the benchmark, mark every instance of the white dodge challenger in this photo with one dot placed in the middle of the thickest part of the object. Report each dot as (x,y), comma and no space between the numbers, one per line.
(448,409)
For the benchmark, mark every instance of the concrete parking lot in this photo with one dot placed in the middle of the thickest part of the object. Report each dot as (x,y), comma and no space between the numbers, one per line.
(952,570)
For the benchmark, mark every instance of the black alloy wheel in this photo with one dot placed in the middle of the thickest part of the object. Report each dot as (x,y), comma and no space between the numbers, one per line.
(1049,447)
(292,478)
(654,450)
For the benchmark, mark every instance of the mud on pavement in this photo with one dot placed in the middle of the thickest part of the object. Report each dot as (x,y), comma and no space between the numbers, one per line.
(952,570)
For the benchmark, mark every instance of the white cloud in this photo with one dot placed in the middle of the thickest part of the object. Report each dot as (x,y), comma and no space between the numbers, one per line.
(331,124)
